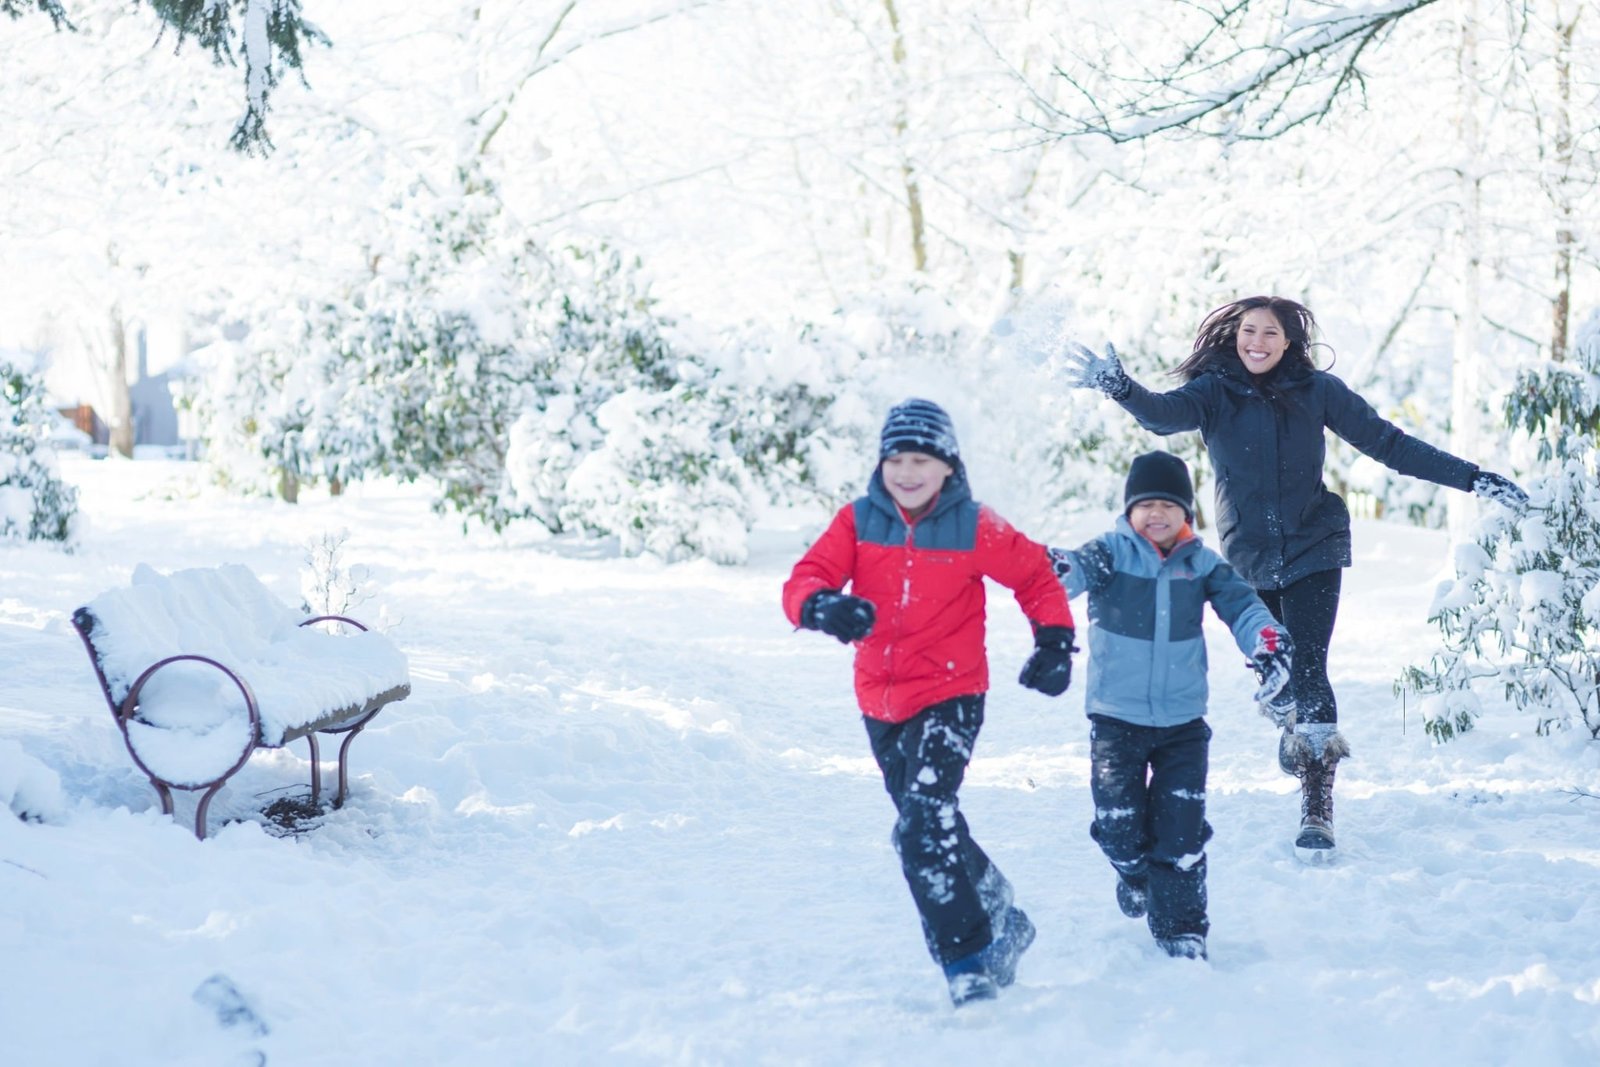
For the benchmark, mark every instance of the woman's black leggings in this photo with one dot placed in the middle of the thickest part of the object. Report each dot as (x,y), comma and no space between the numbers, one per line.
(1307,608)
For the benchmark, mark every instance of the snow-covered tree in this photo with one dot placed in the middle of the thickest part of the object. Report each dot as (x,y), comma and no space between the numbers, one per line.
(1523,613)
(35,504)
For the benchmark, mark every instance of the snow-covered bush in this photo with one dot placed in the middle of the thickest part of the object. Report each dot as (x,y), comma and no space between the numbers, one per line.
(328,585)
(664,479)
(35,504)
(1523,613)
(411,370)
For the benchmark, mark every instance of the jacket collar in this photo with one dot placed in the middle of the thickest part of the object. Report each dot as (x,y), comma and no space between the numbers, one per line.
(1230,369)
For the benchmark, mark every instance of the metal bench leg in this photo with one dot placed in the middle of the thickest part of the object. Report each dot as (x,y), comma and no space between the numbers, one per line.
(165,794)
(344,763)
(316,769)
(200,811)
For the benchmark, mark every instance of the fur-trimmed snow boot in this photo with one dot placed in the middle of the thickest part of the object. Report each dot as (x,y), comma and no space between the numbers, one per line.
(1314,750)
(1287,752)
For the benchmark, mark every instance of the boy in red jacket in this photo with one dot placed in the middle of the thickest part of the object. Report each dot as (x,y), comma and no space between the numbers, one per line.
(915,551)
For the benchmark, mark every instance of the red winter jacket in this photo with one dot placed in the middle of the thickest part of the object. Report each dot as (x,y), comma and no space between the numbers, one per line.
(925,578)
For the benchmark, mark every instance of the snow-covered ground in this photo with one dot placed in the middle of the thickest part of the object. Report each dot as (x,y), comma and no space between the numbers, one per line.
(628,816)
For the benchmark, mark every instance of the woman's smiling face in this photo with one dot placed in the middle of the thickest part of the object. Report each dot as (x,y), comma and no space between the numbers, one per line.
(1262,341)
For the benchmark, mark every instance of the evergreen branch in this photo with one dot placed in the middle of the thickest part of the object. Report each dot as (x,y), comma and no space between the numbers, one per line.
(270,34)
(52,8)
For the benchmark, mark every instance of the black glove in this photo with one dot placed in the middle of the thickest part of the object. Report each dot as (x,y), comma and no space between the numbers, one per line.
(849,618)
(1271,659)
(1049,669)
(1081,368)
(1501,490)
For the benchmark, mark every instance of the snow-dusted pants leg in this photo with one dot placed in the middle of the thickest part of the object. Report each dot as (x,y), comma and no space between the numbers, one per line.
(1149,789)
(1308,608)
(955,886)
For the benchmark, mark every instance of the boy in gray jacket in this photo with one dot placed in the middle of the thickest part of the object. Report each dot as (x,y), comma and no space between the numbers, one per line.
(1149,581)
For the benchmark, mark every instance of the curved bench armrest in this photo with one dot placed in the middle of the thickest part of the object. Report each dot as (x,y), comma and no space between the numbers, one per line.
(334,618)
(131,701)
(164,787)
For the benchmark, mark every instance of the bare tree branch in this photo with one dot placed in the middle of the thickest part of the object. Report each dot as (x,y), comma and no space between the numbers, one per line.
(543,57)
(1226,84)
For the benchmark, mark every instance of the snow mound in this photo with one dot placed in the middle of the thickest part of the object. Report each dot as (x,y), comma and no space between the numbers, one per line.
(29,788)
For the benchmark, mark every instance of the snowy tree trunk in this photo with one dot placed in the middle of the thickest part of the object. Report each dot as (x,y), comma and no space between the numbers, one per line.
(1466,379)
(1561,185)
(117,379)
(908,168)
(288,486)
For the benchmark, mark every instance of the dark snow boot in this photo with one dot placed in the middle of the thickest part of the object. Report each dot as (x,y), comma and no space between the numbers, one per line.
(983,974)
(1008,948)
(1315,757)
(1184,946)
(969,981)
(1133,896)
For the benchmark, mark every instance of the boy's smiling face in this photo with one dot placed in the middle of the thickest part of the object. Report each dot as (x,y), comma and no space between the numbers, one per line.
(914,479)
(1157,521)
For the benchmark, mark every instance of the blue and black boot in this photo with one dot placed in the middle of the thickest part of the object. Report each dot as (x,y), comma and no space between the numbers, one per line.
(1133,895)
(983,974)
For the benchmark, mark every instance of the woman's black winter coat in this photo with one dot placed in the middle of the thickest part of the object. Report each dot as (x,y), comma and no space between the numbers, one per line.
(1276,519)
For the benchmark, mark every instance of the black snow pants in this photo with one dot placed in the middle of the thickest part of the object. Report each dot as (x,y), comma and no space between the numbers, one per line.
(1149,789)
(959,893)
(1307,609)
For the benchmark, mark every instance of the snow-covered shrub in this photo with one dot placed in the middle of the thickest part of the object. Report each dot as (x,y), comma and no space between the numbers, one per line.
(411,369)
(669,440)
(664,479)
(594,335)
(1523,613)
(35,504)
(328,585)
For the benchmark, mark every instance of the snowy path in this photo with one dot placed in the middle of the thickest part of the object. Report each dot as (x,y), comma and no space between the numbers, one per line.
(628,816)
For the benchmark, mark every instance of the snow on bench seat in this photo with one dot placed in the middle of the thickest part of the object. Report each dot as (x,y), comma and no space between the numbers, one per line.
(192,720)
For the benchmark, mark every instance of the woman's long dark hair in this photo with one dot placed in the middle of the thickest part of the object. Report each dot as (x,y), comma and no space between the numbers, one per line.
(1219,333)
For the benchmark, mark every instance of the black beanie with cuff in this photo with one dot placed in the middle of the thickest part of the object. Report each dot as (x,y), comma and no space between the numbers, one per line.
(1159,476)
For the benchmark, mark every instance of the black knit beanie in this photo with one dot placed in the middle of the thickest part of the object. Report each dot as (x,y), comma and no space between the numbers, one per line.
(919,426)
(1159,476)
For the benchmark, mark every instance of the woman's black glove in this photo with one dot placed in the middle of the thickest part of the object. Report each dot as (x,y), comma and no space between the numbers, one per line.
(1049,669)
(1501,490)
(849,618)
(1081,368)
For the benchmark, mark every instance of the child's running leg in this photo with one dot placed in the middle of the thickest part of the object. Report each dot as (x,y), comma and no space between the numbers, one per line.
(1179,832)
(1119,754)
(924,760)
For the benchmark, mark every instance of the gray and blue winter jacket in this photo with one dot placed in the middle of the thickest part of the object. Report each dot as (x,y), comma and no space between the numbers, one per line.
(1147,654)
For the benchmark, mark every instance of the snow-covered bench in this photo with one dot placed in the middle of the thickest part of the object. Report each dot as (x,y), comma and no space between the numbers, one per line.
(202,667)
